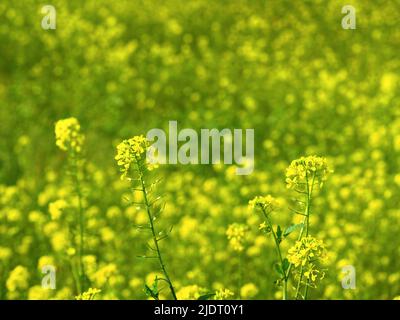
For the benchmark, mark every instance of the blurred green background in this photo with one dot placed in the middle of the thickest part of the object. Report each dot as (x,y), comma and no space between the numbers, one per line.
(285,68)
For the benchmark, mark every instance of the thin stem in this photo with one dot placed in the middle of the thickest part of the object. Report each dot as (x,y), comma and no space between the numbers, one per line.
(153,232)
(81,222)
(76,278)
(306,290)
(299,283)
(278,249)
(306,224)
(240,276)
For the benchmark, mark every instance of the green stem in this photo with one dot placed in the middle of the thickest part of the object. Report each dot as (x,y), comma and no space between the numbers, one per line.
(155,240)
(299,283)
(278,249)
(81,222)
(240,276)
(306,290)
(306,225)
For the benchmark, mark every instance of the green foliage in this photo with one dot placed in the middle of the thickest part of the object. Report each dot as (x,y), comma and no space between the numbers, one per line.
(285,68)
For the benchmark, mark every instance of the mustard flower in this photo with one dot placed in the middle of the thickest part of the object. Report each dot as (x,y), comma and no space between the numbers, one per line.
(267,203)
(56,208)
(89,294)
(191,292)
(304,169)
(308,254)
(68,135)
(132,152)
(223,294)
(18,279)
(306,250)
(236,235)
(249,290)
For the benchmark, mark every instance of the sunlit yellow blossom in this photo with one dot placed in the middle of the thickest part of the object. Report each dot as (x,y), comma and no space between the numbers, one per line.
(5,253)
(68,135)
(18,279)
(262,226)
(89,294)
(267,203)
(132,152)
(249,290)
(308,249)
(223,294)
(56,208)
(306,171)
(45,261)
(307,255)
(236,235)
(192,292)
(39,293)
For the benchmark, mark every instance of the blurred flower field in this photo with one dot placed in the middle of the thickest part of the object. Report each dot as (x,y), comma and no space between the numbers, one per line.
(120,68)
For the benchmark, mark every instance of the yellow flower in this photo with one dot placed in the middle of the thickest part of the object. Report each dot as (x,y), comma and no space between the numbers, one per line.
(45,261)
(308,253)
(223,294)
(56,208)
(267,203)
(303,171)
(18,279)
(236,235)
(192,292)
(249,290)
(88,295)
(38,293)
(133,151)
(101,276)
(5,253)
(262,226)
(68,135)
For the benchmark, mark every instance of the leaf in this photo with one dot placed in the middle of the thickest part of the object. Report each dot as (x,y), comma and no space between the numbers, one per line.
(279,234)
(206,296)
(153,291)
(285,265)
(278,269)
(292,228)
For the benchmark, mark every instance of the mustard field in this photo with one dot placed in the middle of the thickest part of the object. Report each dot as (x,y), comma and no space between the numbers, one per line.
(86,214)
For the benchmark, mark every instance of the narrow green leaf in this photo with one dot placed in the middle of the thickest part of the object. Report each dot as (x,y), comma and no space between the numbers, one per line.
(285,265)
(206,296)
(278,269)
(279,233)
(292,228)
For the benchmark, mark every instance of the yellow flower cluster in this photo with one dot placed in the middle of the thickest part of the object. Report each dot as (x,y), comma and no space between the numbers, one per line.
(183,69)
(267,203)
(68,135)
(248,291)
(306,171)
(307,250)
(191,292)
(132,151)
(56,208)
(90,294)
(18,279)
(308,254)
(236,234)
(223,294)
